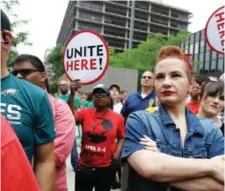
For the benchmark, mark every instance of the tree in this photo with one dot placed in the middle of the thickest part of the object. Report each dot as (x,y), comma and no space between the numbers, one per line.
(143,57)
(55,58)
(19,38)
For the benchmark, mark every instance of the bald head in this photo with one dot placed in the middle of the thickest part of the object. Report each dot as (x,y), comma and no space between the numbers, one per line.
(64,86)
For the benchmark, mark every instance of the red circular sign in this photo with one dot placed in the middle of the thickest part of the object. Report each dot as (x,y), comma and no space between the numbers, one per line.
(86,57)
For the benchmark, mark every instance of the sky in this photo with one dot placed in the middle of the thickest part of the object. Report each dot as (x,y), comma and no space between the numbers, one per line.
(46,17)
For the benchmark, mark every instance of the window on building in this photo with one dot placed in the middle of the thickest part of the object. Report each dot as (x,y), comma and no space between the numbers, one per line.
(192,38)
(90,26)
(207,56)
(186,48)
(202,44)
(196,57)
(214,54)
(207,47)
(90,16)
(141,15)
(202,35)
(196,47)
(213,66)
(220,65)
(159,10)
(140,26)
(201,57)
(142,5)
(115,21)
(191,51)
(197,36)
(206,67)
(91,5)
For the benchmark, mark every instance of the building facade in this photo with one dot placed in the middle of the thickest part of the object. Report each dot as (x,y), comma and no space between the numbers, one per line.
(209,62)
(112,20)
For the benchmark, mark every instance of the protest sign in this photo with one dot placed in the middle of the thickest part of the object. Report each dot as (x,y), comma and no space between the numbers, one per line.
(86,57)
(215,31)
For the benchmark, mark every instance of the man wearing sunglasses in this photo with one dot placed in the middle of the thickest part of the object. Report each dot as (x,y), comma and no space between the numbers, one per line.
(28,110)
(141,100)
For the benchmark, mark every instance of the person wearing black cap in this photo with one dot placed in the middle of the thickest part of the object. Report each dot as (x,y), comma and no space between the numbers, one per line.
(27,108)
(101,127)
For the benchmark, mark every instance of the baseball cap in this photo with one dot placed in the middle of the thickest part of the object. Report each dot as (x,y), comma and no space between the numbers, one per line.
(104,89)
(5,23)
(114,85)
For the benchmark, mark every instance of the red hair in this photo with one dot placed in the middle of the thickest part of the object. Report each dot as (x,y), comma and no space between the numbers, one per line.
(175,52)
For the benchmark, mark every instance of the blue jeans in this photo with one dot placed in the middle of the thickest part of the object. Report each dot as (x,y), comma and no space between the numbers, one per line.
(74,155)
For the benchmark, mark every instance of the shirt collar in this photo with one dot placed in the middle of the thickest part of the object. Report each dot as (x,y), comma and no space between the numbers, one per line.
(193,122)
(152,94)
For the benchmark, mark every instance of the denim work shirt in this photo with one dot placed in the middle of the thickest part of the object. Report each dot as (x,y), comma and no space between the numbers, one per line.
(203,140)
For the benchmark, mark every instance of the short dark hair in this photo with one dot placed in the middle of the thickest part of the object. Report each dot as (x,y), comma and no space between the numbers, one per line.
(34,60)
(212,88)
(5,23)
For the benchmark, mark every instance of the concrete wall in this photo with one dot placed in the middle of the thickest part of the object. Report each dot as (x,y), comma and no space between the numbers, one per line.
(126,78)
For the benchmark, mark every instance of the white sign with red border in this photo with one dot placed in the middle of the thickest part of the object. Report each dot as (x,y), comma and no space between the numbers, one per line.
(86,57)
(215,30)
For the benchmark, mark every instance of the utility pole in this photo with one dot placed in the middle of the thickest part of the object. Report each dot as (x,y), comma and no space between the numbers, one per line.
(132,24)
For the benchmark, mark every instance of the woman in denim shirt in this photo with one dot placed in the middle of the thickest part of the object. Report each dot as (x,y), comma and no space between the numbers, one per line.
(189,148)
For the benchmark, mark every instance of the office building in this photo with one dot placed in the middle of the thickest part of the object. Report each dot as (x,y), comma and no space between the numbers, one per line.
(112,20)
(210,62)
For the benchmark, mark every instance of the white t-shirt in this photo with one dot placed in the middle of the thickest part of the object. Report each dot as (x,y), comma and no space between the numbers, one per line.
(144,96)
(117,107)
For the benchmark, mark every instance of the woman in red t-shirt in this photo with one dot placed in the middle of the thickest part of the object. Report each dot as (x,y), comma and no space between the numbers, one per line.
(103,134)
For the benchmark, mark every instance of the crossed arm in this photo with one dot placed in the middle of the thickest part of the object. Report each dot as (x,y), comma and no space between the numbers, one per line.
(197,177)
(189,183)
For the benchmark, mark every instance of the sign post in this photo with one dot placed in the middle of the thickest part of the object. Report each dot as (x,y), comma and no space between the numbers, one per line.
(215,30)
(86,57)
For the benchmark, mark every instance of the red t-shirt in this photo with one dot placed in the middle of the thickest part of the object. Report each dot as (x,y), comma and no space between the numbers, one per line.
(194,107)
(16,171)
(99,134)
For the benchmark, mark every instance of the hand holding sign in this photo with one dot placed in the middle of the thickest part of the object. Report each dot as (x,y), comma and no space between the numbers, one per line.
(86,57)
(74,86)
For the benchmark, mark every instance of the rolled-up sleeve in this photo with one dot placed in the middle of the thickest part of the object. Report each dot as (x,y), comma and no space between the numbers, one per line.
(217,147)
(135,129)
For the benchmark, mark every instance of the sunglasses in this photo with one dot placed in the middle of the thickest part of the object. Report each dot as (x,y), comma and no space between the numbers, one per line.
(24,72)
(145,77)
(100,95)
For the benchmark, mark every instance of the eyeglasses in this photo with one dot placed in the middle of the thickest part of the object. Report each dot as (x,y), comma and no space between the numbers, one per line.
(149,77)
(63,85)
(100,94)
(24,72)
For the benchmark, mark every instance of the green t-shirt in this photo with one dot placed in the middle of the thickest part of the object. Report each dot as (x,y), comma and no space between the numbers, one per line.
(88,104)
(66,98)
(28,110)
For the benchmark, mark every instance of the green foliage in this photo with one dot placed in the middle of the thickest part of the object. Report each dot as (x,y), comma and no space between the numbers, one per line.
(13,54)
(143,57)
(55,58)
(9,7)
(53,88)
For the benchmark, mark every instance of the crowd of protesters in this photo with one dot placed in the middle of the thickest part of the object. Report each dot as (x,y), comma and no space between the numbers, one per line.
(167,136)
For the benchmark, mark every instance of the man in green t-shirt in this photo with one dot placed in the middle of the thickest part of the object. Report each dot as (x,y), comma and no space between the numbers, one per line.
(28,110)
(64,89)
